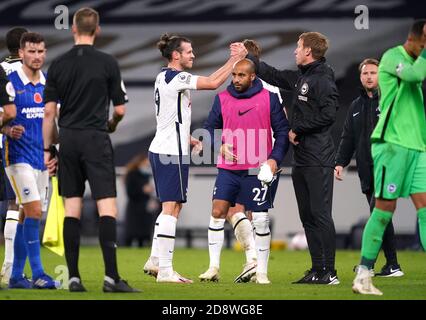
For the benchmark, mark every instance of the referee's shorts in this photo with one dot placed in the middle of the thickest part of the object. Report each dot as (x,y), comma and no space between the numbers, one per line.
(86,155)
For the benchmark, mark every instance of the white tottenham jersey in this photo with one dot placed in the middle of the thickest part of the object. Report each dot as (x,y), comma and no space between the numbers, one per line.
(273,89)
(173,112)
(9,66)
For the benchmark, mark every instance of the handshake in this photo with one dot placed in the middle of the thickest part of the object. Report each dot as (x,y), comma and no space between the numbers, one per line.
(238,50)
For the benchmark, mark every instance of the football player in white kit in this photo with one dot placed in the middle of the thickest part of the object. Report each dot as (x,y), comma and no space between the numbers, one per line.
(9,65)
(169,150)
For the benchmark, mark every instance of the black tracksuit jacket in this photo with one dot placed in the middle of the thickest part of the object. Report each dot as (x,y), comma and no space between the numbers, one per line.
(361,119)
(313,112)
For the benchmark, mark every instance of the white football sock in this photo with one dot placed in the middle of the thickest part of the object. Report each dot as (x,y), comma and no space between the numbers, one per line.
(154,245)
(244,233)
(251,249)
(262,240)
(12,218)
(216,235)
(166,242)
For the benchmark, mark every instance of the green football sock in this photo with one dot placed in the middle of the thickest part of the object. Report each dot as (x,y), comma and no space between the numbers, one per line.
(421,213)
(373,236)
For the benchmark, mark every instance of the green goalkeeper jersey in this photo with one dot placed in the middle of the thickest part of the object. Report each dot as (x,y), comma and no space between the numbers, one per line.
(402,114)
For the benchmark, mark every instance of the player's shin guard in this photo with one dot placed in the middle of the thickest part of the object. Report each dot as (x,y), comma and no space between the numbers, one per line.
(262,240)
(12,218)
(216,236)
(166,243)
(372,237)
(243,232)
(422,226)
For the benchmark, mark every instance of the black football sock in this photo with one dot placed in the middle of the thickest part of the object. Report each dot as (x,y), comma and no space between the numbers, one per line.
(72,245)
(107,239)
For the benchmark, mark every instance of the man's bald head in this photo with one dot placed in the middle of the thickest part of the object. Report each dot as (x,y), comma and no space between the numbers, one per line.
(243,74)
(246,64)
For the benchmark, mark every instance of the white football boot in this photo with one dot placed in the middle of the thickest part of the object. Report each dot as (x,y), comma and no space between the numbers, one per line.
(363,284)
(212,274)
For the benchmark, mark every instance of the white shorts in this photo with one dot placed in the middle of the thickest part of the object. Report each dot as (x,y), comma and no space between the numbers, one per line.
(29,184)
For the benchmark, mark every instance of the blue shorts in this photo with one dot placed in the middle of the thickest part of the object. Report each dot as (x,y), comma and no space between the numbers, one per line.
(170,176)
(237,186)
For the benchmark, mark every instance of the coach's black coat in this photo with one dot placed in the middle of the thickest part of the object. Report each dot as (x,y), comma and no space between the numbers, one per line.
(313,109)
(361,119)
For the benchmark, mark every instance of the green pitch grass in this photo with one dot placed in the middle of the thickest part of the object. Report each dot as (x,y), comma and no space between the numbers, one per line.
(284,267)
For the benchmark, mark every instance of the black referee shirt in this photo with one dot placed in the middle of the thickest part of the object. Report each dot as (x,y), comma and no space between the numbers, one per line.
(83,81)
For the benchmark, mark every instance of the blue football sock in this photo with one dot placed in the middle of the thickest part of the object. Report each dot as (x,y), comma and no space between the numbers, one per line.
(20,253)
(32,243)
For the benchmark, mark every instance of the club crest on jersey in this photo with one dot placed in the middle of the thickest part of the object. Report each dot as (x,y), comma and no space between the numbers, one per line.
(305,88)
(391,187)
(38,98)
(184,78)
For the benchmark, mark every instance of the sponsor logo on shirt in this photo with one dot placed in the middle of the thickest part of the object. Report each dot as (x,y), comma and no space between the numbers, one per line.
(33,113)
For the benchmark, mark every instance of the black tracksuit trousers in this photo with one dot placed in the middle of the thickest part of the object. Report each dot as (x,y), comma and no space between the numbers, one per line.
(314,194)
